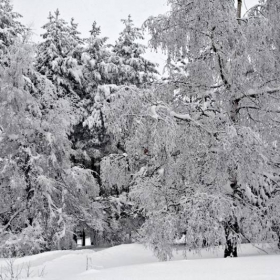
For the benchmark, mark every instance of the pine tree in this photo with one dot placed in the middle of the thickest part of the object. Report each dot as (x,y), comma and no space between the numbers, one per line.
(10,27)
(97,68)
(59,54)
(44,197)
(134,69)
(107,72)
(98,72)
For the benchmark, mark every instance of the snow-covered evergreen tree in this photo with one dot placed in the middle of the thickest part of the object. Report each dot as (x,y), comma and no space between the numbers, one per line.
(108,71)
(58,56)
(134,69)
(97,68)
(98,74)
(10,27)
(43,196)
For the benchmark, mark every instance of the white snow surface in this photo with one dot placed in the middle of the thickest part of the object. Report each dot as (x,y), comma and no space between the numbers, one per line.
(135,262)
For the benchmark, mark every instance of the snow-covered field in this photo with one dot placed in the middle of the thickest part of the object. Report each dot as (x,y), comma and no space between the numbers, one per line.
(134,262)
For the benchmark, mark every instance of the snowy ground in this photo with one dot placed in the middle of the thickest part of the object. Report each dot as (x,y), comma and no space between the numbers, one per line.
(134,262)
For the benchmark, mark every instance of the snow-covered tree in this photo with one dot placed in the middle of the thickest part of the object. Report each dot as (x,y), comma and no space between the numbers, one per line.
(98,74)
(10,27)
(200,147)
(43,197)
(96,55)
(134,69)
(108,70)
(58,56)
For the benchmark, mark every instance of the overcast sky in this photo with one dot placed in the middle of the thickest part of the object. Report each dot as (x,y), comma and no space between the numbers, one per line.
(107,14)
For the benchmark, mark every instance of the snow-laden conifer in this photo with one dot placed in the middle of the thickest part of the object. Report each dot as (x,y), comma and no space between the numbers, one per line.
(133,67)
(10,26)
(58,56)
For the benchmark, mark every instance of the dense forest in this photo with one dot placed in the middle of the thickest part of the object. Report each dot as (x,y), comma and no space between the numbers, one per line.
(93,139)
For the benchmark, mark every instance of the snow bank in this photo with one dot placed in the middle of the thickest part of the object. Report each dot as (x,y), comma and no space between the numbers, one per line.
(247,268)
(135,262)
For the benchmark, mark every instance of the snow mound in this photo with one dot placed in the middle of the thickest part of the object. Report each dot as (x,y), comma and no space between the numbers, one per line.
(135,262)
(247,268)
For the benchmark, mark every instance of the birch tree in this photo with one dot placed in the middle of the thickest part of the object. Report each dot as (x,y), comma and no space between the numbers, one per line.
(208,134)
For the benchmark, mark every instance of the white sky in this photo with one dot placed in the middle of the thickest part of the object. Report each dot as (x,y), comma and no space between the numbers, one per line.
(107,14)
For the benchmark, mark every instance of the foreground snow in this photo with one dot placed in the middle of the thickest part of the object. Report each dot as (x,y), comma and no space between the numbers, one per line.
(134,262)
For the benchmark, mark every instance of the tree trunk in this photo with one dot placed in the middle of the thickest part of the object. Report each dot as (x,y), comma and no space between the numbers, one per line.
(75,238)
(231,228)
(239,8)
(276,229)
(230,249)
(84,238)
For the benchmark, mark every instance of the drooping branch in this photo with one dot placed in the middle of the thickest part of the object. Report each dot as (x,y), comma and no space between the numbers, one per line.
(255,11)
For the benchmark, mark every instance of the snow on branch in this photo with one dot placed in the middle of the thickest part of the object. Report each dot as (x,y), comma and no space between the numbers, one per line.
(256,92)
(178,116)
(187,117)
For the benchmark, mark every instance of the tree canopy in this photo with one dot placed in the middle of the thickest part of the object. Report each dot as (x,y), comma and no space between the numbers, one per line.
(91,138)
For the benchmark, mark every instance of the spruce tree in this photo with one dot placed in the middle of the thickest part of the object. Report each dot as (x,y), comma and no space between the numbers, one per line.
(10,27)
(108,71)
(43,196)
(134,69)
(58,56)
(96,55)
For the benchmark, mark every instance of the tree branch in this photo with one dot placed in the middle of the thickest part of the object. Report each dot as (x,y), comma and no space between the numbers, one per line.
(254,93)
(10,221)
